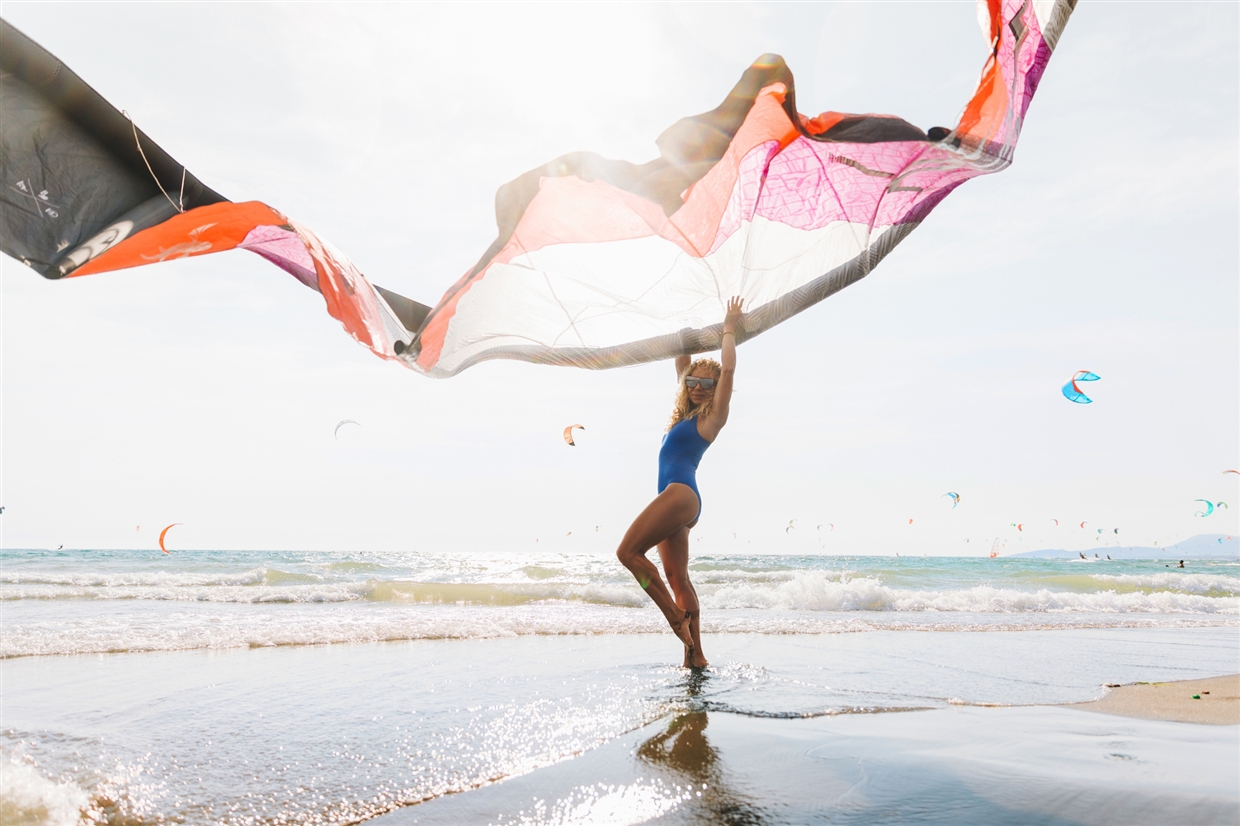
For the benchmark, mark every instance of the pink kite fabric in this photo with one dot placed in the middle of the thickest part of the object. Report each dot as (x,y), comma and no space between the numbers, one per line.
(285,249)
(594,275)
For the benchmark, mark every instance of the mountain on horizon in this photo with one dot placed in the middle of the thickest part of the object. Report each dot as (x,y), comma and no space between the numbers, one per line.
(1202,546)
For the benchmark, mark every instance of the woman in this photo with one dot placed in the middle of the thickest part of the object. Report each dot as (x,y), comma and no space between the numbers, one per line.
(700,412)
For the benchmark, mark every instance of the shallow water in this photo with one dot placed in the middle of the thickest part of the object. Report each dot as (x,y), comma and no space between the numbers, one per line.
(1034,766)
(335,734)
(200,688)
(66,602)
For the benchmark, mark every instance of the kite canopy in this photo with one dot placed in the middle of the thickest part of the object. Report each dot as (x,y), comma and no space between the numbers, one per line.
(598,263)
(1072,391)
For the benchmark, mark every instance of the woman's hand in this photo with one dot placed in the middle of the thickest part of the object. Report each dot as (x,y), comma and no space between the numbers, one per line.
(733,315)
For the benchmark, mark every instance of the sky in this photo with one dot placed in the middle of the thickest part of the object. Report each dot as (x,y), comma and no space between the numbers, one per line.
(205,391)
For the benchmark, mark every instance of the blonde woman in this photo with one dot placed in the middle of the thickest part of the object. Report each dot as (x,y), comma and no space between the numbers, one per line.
(700,412)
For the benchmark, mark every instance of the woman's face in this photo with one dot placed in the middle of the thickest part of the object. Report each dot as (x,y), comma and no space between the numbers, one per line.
(700,395)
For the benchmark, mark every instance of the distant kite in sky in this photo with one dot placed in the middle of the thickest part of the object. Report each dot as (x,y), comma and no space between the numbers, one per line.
(597,263)
(1082,525)
(955,498)
(1073,393)
(1056,521)
(1209,507)
(164,533)
(340,424)
(1237,472)
(568,434)
(1222,505)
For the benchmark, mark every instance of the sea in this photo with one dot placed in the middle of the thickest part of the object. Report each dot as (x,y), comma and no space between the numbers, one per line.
(279,687)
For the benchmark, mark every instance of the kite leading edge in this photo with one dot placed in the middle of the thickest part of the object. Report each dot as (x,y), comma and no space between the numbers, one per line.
(598,263)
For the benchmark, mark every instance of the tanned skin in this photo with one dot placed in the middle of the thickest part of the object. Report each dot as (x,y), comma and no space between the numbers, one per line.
(665,523)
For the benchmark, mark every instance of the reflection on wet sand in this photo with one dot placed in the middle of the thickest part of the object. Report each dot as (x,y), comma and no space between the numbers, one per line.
(684,750)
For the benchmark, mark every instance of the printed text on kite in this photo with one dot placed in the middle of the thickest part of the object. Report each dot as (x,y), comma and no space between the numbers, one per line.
(1073,393)
(568,434)
(597,263)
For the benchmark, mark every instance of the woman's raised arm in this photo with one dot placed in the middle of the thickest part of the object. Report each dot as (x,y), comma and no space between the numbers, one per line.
(723,390)
(682,364)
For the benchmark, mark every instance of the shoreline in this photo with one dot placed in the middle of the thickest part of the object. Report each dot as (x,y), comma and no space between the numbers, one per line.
(764,735)
(693,767)
(1214,701)
(956,766)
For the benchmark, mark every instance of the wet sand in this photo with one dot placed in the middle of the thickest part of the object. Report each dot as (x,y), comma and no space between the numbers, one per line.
(602,729)
(1214,701)
(964,766)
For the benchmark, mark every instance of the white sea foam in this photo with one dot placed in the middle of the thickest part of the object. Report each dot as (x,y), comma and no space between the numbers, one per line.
(137,579)
(822,591)
(145,627)
(138,601)
(26,796)
(187,592)
(1187,583)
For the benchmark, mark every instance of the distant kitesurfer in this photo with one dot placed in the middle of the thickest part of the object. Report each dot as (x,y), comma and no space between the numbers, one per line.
(700,412)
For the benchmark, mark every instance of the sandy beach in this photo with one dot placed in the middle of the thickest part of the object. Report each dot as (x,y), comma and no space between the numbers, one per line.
(1214,701)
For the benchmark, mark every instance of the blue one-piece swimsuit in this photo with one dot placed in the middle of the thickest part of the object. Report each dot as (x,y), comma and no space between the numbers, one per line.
(682,449)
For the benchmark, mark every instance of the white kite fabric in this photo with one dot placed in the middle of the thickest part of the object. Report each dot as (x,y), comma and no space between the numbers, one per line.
(598,263)
(795,209)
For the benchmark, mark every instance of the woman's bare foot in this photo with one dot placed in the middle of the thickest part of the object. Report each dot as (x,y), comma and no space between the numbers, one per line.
(684,631)
(693,659)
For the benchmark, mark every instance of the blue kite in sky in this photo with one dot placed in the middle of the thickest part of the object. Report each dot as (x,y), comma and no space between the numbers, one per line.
(1073,393)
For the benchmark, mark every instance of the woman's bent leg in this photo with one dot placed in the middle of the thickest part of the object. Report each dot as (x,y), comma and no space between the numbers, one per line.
(674,551)
(671,510)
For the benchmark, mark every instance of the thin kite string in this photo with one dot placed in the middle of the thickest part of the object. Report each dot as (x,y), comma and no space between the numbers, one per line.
(179,207)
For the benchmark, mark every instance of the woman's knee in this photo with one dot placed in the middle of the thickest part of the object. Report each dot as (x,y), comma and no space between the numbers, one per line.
(676,581)
(627,554)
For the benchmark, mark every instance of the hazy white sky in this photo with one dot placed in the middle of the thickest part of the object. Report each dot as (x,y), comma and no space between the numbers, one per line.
(205,391)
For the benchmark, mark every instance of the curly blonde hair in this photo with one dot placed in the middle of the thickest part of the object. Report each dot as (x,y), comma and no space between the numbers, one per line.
(682,408)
